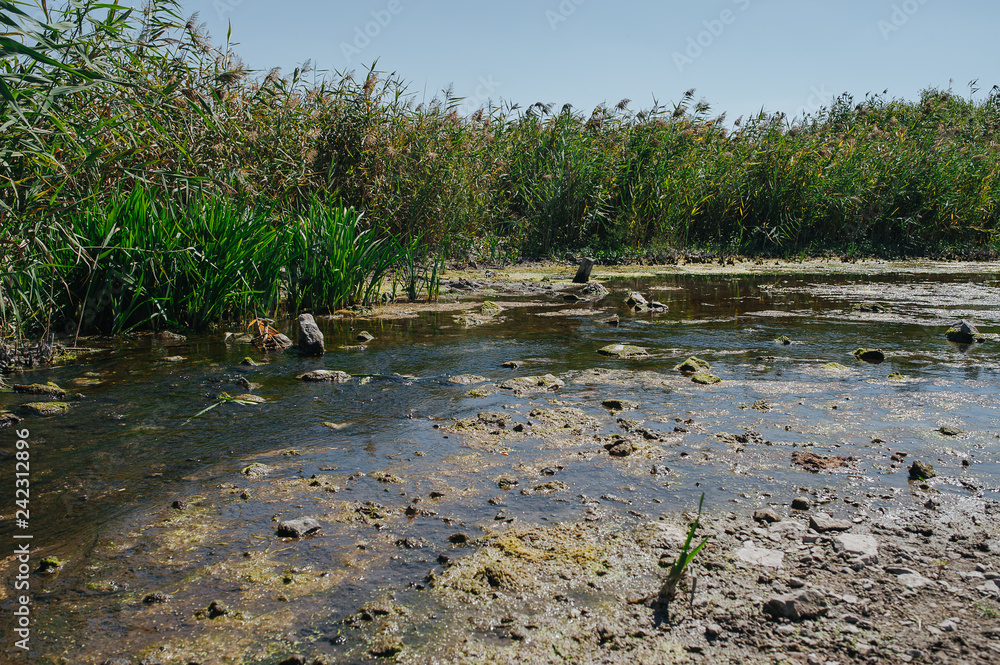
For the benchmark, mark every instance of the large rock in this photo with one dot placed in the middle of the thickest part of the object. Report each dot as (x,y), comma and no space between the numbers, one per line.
(921,470)
(797,605)
(623,351)
(963,332)
(583,272)
(310,336)
(297,528)
(693,365)
(874,356)
(49,388)
(335,376)
(636,301)
(533,383)
(46,408)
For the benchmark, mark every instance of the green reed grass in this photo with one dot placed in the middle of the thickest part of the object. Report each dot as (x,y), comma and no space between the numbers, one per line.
(243,176)
(136,261)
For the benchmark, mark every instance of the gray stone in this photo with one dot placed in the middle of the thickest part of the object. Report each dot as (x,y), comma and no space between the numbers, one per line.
(822,522)
(797,605)
(914,581)
(760,556)
(989,589)
(856,544)
(786,526)
(281,340)
(862,547)
(583,272)
(303,526)
(766,515)
(800,503)
(310,336)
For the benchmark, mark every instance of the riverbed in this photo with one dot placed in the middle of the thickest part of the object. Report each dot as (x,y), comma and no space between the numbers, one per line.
(478,455)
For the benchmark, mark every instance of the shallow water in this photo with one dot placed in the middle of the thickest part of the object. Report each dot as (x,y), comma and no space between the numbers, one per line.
(104,476)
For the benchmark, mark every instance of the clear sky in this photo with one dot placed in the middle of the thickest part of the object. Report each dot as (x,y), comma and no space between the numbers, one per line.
(740,55)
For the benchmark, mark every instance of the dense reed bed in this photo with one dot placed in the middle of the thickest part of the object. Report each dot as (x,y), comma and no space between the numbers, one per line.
(142,165)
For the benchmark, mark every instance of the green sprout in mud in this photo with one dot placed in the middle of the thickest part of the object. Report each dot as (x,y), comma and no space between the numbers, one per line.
(987,612)
(669,589)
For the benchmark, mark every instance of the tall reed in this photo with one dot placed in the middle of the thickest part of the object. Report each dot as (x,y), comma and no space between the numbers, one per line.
(98,99)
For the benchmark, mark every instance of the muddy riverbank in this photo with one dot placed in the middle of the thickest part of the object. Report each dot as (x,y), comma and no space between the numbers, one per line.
(486,485)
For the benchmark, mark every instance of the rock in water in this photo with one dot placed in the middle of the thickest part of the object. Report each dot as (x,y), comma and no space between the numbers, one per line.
(310,336)
(921,471)
(623,351)
(874,356)
(963,332)
(335,376)
(40,389)
(693,365)
(583,272)
(298,527)
(636,301)
(595,289)
(815,463)
(46,408)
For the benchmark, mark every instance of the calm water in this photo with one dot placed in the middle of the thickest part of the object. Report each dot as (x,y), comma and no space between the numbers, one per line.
(132,444)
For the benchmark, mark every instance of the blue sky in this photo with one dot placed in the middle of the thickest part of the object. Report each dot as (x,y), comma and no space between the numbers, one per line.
(740,55)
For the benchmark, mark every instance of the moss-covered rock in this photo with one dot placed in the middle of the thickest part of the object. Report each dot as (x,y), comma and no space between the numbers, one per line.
(46,408)
(874,356)
(7,419)
(533,383)
(693,365)
(636,301)
(325,375)
(490,308)
(963,332)
(706,379)
(467,379)
(623,351)
(49,388)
